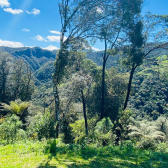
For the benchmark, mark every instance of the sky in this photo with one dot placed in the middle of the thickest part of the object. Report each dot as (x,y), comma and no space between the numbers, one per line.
(37,22)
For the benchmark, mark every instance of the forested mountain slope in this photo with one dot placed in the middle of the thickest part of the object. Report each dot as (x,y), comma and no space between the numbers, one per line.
(150,88)
(35,57)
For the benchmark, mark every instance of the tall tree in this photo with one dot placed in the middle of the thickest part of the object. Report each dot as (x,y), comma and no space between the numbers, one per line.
(118,15)
(4,72)
(139,35)
(76,20)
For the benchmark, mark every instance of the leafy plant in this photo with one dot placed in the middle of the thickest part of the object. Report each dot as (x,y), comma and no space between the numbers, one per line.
(9,129)
(17,107)
(146,133)
(78,129)
(43,126)
(103,131)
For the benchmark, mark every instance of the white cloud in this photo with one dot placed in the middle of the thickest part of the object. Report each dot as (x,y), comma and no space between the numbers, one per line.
(55,32)
(13,11)
(4,3)
(54,38)
(99,10)
(40,38)
(95,49)
(12,44)
(34,11)
(51,48)
(25,30)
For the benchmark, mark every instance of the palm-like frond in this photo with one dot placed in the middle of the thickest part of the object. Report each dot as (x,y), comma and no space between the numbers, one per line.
(147,130)
(16,107)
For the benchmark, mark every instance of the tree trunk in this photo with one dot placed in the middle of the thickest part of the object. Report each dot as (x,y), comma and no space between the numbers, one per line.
(84,113)
(4,77)
(103,88)
(103,80)
(129,87)
(56,99)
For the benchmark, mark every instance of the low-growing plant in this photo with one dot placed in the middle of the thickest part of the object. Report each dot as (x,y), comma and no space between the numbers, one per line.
(162,147)
(78,130)
(147,143)
(10,129)
(43,126)
(103,132)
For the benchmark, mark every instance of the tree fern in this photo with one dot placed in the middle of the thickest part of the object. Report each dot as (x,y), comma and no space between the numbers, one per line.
(16,107)
(146,130)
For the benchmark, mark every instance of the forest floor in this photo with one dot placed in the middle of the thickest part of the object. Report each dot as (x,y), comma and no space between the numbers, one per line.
(34,155)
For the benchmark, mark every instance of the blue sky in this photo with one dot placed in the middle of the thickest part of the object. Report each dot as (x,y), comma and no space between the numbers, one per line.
(37,22)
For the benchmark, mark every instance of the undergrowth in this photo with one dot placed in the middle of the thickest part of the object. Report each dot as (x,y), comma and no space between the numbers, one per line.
(53,153)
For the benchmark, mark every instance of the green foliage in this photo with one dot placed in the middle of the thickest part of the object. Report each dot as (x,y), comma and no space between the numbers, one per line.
(17,107)
(78,129)
(121,125)
(162,124)
(43,126)
(150,90)
(103,131)
(162,147)
(10,129)
(146,133)
(52,145)
(147,143)
(115,89)
(34,154)
(44,73)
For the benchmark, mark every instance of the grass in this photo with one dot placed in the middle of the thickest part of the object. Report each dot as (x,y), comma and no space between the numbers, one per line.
(36,155)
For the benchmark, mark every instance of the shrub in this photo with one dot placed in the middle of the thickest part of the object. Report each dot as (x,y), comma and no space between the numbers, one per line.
(147,143)
(78,129)
(162,147)
(147,132)
(43,126)
(54,145)
(103,131)
(9,129)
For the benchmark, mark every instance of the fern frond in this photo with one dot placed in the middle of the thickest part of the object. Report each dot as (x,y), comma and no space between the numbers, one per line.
(135,134)
(16,107)
(133,128)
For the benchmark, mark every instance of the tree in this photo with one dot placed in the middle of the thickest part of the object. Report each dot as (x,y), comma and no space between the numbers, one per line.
(115,89)
(82,83)
(19,108)
(4,72)
(27,85)
(140,48)
(17,74)
(118,15)
(76,18)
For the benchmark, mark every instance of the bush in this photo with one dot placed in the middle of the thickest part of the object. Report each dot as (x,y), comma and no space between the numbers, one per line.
(43,126)
(103,132)
(10,128)
(53,145)
(147,143)
(78,130)
(21,135)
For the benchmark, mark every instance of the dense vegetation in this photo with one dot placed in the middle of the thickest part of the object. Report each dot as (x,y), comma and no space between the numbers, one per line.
(88,109)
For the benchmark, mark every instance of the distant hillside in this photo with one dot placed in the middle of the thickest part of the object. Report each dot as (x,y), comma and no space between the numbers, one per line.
(35,57)
(41,61)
